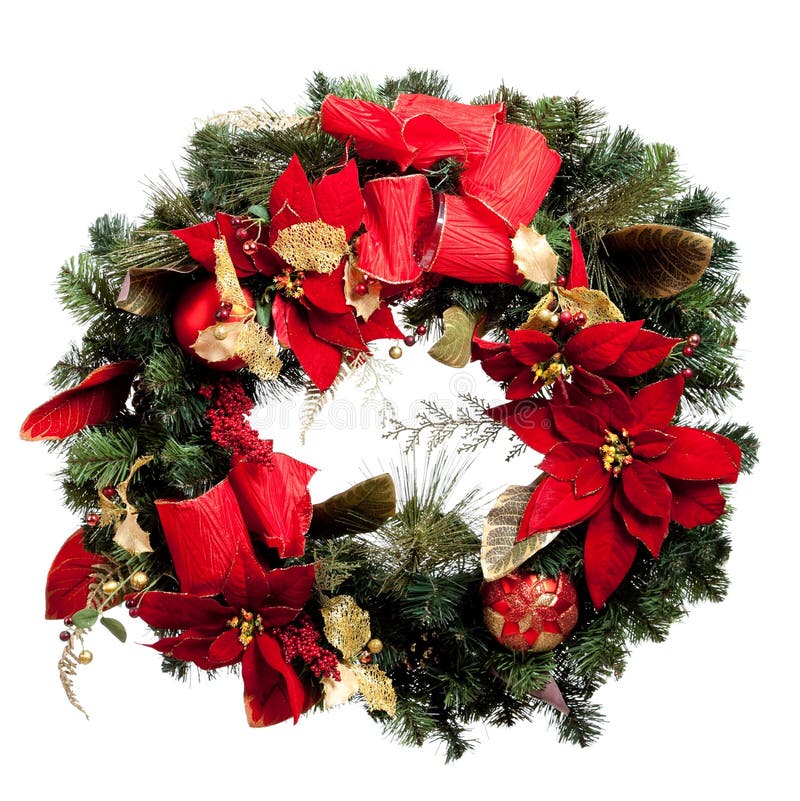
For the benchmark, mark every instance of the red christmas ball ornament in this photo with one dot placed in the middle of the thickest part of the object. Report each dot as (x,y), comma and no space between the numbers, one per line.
(529,612)
(196,310)
(687,373)
(410,339)
(693,340)
(688,351)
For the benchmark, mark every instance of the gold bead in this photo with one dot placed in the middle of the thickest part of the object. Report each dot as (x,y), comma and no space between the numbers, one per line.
(554,320)
(110,586)
(395,351)
(375,646)
(545,315)
(84,657)
(220,332)
(139,580)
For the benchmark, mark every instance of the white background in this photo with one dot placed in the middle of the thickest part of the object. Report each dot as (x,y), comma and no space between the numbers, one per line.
(99,96)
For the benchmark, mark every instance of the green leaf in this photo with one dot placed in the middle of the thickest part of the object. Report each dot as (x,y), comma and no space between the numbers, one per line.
(86,618)
(264,310)
(115,627)
(258,211)
(455,345)
(360,509)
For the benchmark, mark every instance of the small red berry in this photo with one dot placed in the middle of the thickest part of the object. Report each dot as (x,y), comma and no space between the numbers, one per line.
(130,603)
(134,612)
(67,621)
(422,330)
(561,280)
(409,340)
(64,636)
(361,288)
(687,372)
(242,234)
(250,247)
(222,314)
(237,221)
(565,318)
(92,519)
(109,492)
(693,340)
(688,351)
(580,319)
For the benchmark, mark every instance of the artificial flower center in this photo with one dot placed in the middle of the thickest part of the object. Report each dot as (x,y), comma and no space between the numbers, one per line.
(248,624)
(290,283)
(616,452)
(550,370)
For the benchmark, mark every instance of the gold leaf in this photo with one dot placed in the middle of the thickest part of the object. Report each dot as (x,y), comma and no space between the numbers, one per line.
(500,551)
(147,292)
(534,257)
(537,323)
(364,305)
(377,689)
(658,261)
(228,285)
(210,347)
(314,246)
(454,347)
(339,692)
(131,536)
(346,625)
(595,304)
(256,348)
(357,510)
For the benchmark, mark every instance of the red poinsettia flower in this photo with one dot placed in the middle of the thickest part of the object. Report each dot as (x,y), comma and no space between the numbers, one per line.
(244,236)
(620,464)
(239,626)
(309,237)
(532,360)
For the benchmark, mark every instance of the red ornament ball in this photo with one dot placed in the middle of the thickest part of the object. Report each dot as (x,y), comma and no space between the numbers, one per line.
(92,519)
(361,288)
(196,310)
(422,330)
(688,351)
(687,373)
(409,340)
(529,612)
(694,340)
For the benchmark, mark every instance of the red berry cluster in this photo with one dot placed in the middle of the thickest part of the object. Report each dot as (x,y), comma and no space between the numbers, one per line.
(426,282)
(301,639)
(228,410)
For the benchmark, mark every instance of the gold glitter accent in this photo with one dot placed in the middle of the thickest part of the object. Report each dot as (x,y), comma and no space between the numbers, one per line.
(314,246)
(256,348)
(129,534)
(533,256)
(68,669)
(227,280)
(616,452)
(248,624)
(347,629)
(592,302)
(252,119)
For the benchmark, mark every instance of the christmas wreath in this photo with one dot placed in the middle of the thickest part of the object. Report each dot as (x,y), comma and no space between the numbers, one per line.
(573,262)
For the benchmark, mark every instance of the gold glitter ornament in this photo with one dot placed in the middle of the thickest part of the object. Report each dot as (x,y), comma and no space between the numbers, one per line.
(395,351)
(110,586)
(84,657)
(139,580)
(375,646)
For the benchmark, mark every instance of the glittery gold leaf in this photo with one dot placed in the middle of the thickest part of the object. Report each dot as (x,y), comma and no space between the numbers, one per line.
(377,689)
(357,510)
(252,119)
(364,305)
(148,292)
(313,246)
(534,257)
(129,534)
(454,347)
(256,348)
(218,342)
(592,302)
(131,537)
(346,625)
(537,323)
(658,261)
(227,281)
(500,551)
(339,692)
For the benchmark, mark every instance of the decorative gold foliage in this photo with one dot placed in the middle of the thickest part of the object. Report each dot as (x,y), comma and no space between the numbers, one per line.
(500,552)
(346,625)
(129,535)
(147,292)
(314,246)
(227,281)
(592,302)
(454,347)
(364,305)
(256,348)
(658,261)
(68,669)
(218,342)
(360,509)
(534,257)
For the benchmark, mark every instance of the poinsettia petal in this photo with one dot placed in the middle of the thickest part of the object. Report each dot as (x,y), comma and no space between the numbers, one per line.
(607,402)
(272,690)
(578,424)
(283,218)
(341,330)
(656,404)
(200,241)
(293,190)
(524,385)
(70,578)
(97,398)
(646,489)
(696,456)
(246,584)
(597,347)
(320,360)
(590,383)
(735,454)
(577,274)
(647,350)
(647,529)
(381,325)
(338,198)
(486,348)
(609,553)
(696,503)
(563,461)
(515,175)
(180,610)
(474,124)
(193,649)
(326,292)
(471,244)
(591,478)
(226,649)
(275,501)
(376,131)
(531,347)
(555,506)
(530,420)
(650,444)
(396,209)
(289,587)
(241,261)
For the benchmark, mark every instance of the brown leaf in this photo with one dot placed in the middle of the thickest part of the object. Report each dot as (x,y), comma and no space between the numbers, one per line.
(130,536)
(534,257)
(364,305)
(500,552)
(148,292)
(360,509)
(454,347)
(658,261)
